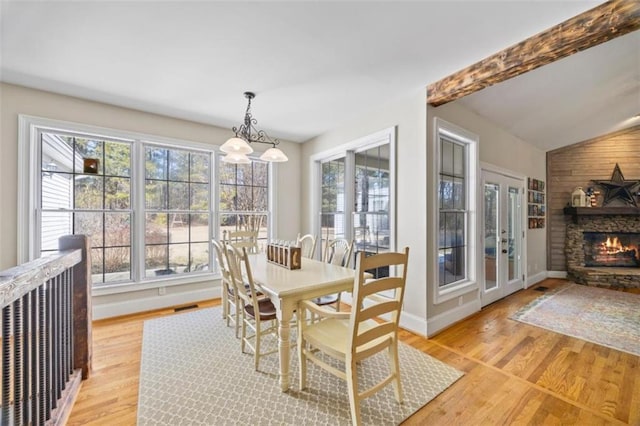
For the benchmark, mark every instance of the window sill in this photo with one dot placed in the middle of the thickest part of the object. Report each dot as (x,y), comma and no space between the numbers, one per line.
(103,290)
(446,294)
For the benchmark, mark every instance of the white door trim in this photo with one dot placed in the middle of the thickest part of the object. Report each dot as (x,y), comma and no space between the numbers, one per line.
(485,167)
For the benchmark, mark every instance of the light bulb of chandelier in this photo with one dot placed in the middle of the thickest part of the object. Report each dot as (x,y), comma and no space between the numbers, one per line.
(236,158)
(274,155)
(236,145)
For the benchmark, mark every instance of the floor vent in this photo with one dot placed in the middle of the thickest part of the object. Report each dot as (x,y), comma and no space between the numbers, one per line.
(541,288)
(184,308)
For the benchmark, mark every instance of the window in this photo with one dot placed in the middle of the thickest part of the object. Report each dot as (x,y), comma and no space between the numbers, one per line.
(86,189)
(355,200)
(177,212)
(148,204)
(244,198)
(332,213)
(456,170)
(452,235)
(371,224)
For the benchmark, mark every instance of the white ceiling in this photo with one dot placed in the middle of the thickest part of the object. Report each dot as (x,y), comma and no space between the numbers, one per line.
(589,94)
(313,65)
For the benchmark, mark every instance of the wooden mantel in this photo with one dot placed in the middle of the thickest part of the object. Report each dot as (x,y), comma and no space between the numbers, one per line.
(605,22)
(576,212)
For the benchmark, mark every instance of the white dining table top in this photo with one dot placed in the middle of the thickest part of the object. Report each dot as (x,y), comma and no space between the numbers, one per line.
(282,282)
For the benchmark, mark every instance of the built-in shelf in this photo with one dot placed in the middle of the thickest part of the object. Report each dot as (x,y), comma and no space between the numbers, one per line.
(576,212)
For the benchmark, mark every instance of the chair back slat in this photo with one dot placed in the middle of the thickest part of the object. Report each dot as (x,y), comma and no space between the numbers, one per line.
(383,259)
(241,276)
(377,310)
(307,243)
(235,272)
(385,309)
(380,285)
(369,351)
(242,239)
(220,256)
(338,252)
(380,330)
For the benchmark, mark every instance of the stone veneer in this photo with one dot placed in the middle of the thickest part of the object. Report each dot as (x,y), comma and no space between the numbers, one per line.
(613,277)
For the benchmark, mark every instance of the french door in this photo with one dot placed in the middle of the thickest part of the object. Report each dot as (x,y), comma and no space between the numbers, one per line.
(503,233)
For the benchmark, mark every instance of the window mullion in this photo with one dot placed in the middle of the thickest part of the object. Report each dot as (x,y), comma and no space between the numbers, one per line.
(349,192)
(139,212)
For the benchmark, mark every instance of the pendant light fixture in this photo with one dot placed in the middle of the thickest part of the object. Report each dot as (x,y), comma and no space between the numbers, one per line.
(239,146)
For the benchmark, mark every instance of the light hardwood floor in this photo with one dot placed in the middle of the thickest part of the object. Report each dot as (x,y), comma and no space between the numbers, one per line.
(515,373)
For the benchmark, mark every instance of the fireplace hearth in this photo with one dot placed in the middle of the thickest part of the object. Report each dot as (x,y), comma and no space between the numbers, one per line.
(602,247)
(611,249)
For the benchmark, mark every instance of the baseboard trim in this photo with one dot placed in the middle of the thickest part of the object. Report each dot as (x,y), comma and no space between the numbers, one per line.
(536,278)
(115,309)
(556,274)
(444,320)
(413,323)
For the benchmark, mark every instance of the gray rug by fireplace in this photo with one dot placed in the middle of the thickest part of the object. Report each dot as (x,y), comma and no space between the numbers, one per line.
(193,372)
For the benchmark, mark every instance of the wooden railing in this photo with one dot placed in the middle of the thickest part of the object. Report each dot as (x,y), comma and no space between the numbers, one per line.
(46,335)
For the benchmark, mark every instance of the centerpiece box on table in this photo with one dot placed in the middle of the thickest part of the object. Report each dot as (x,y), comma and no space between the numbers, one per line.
(284,255)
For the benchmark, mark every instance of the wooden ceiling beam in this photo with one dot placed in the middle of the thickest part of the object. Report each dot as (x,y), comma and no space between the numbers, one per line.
(598,25)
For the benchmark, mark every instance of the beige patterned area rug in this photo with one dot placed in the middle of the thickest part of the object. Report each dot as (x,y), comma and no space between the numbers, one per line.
(194,373)
(599,315)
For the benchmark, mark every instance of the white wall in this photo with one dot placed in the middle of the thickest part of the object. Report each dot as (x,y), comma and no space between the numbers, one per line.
(415,189)
(498,148)
(16,100)
(502,149)
(414,149)
(408,115)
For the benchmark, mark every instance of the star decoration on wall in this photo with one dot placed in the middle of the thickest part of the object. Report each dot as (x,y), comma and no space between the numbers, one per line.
(618,188)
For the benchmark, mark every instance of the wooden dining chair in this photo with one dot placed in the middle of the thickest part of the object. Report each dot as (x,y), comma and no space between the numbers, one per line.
(242,239)
(307,244)
(257,313)
(337,252)
(351,337)
(230,311)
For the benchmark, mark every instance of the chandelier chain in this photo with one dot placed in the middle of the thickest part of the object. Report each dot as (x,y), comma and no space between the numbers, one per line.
(248,131)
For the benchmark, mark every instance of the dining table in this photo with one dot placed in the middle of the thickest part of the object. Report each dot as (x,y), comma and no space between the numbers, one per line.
(287,287)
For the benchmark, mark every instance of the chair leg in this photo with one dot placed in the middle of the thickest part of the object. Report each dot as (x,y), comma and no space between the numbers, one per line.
(258,337)
(231,304)
(395,368)
(236,314)
(352,384)
(302,360)
(338,302)
(225,305)
(244,331)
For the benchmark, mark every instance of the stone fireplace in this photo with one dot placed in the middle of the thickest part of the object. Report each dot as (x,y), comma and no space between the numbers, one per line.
(602,246)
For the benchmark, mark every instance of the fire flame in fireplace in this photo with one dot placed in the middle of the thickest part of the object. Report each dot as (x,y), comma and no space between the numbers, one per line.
(613,245)
(613,249)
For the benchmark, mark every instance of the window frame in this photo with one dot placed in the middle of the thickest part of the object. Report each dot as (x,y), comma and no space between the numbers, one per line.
(269,213)
(348,151)
(73,212)
(346,196)
(141,207)
(29,168)
(470,141)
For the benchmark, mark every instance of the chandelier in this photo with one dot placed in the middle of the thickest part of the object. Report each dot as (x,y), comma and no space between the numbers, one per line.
(239,146)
